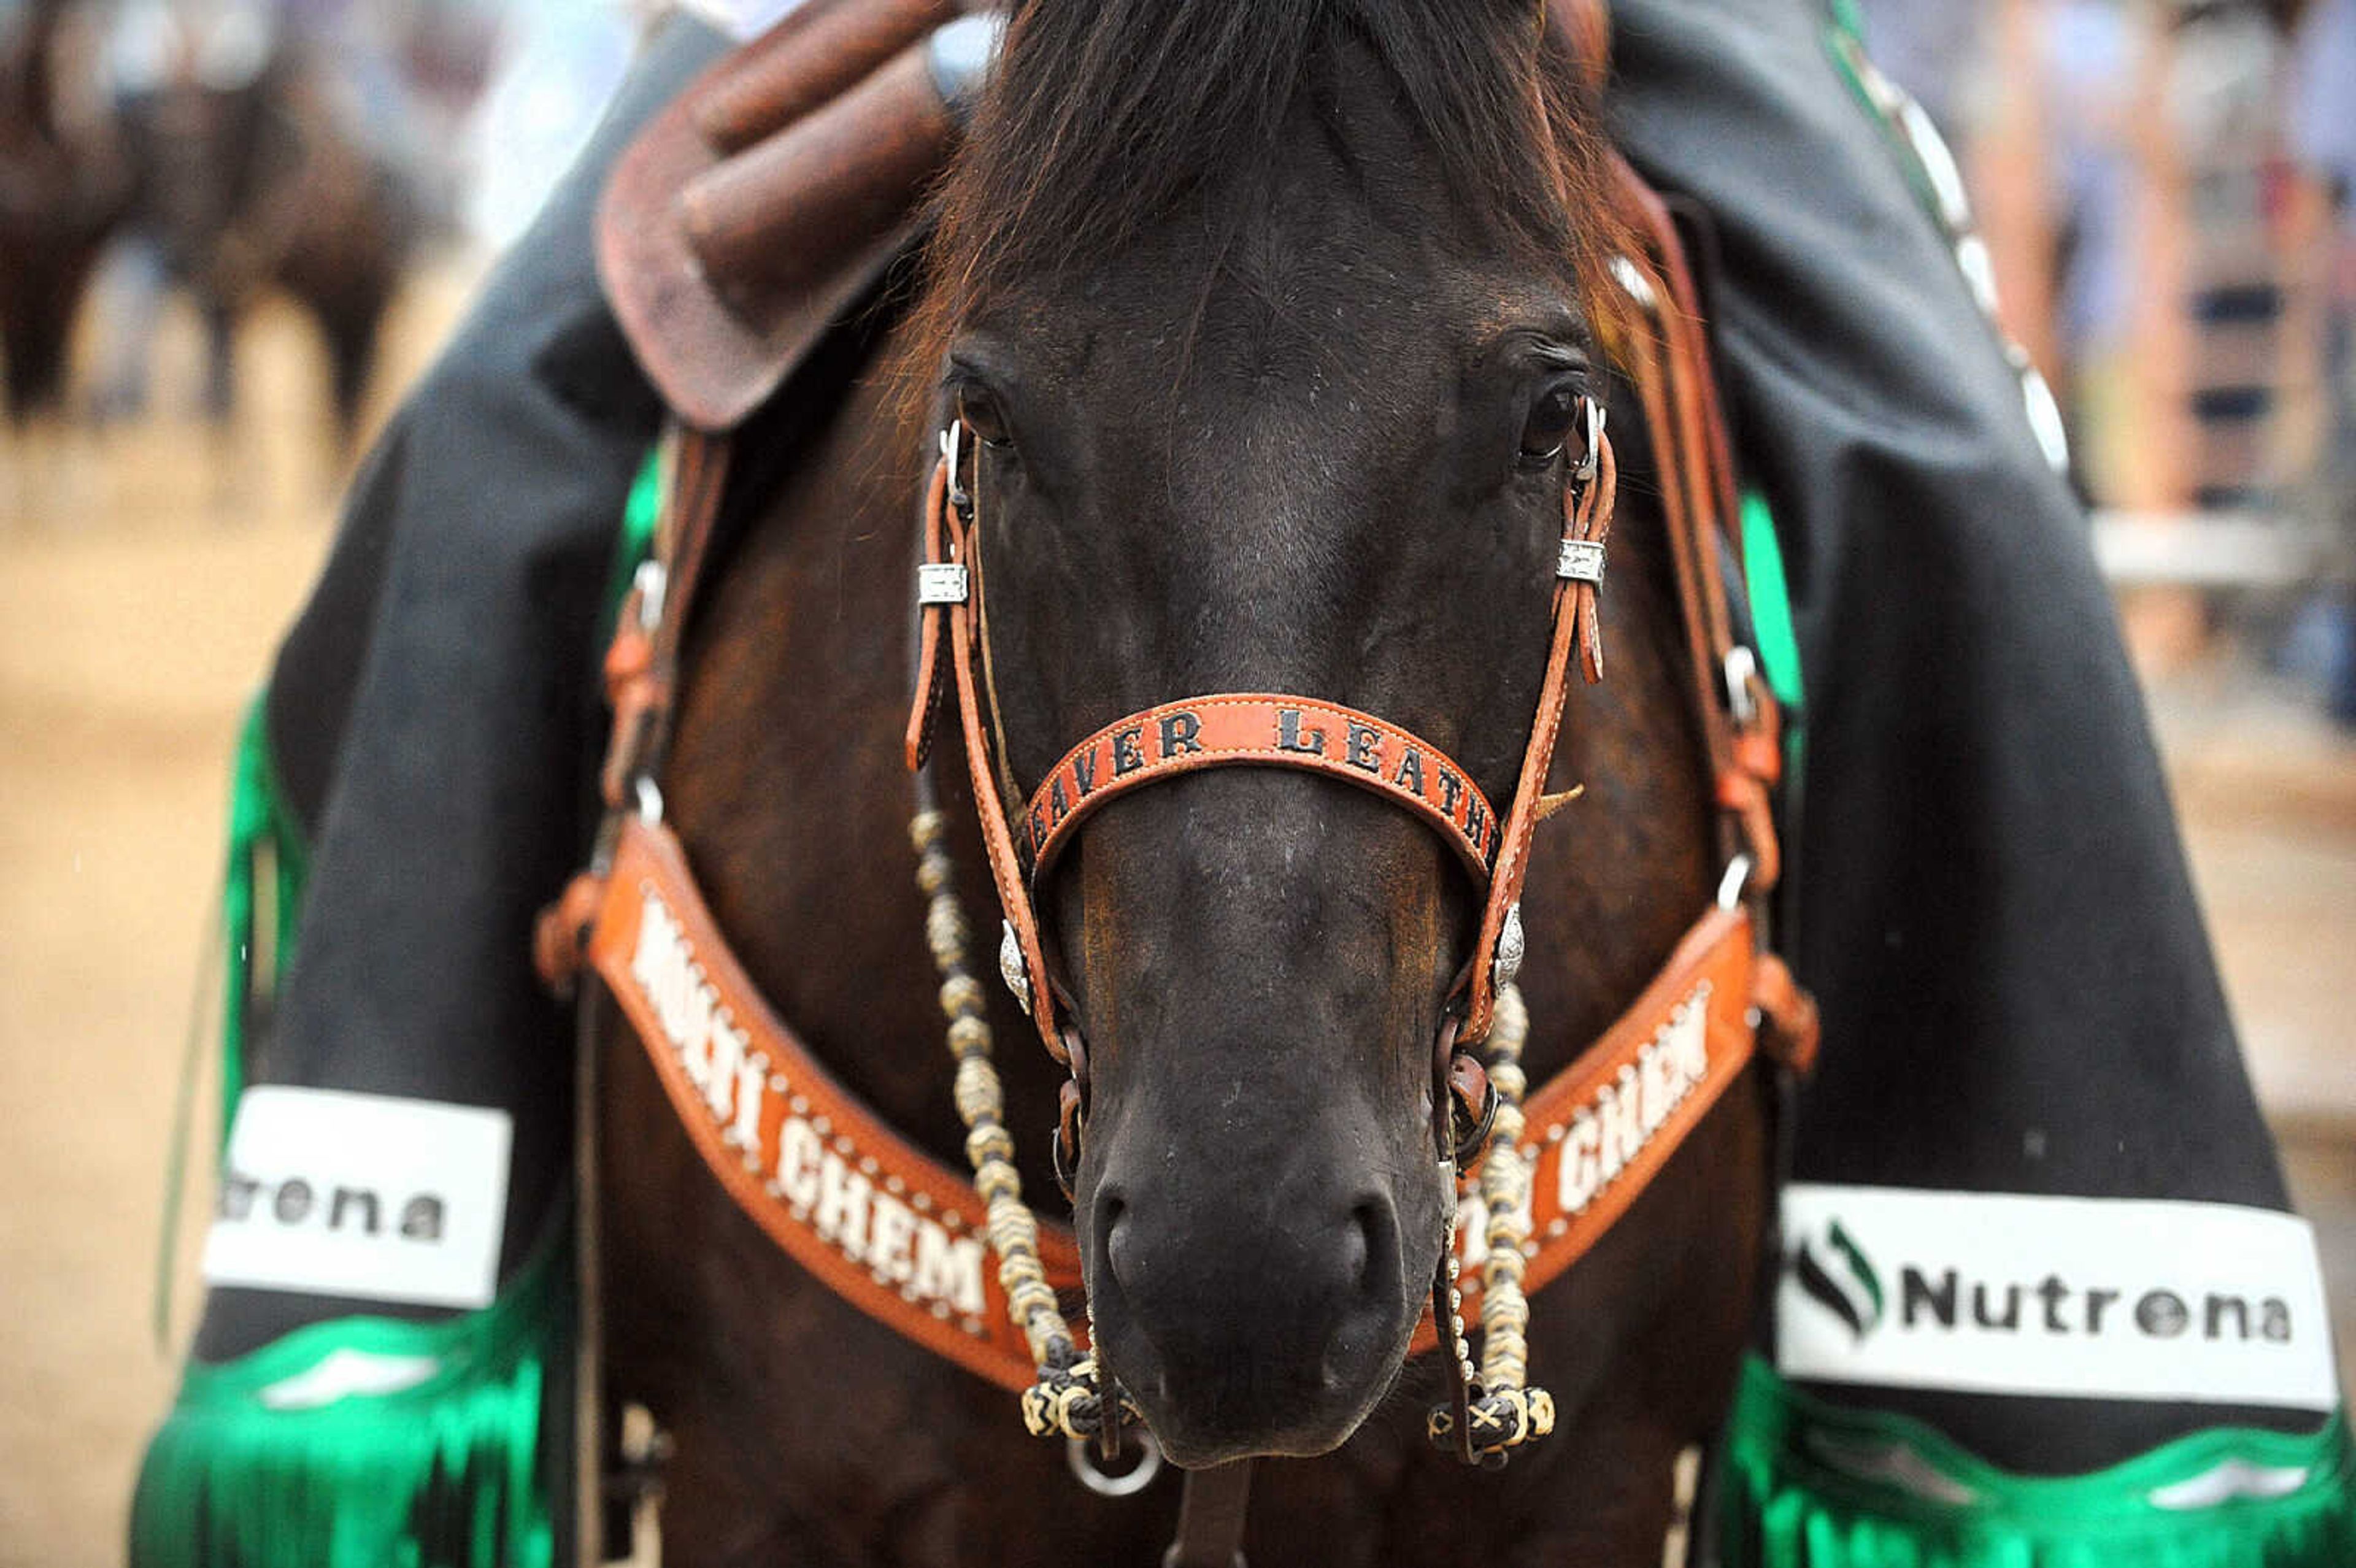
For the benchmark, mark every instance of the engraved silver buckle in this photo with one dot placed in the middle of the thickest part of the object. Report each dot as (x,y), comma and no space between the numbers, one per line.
(941,582)
(1512,946)
(1581,560)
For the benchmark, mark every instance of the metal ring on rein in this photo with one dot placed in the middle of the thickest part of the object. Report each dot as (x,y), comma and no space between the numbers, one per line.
(1081,1456)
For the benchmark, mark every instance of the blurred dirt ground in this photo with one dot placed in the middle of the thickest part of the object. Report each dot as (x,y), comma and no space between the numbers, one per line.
(144,575)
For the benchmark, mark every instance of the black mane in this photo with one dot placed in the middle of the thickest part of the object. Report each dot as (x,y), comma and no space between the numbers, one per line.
(1105,115)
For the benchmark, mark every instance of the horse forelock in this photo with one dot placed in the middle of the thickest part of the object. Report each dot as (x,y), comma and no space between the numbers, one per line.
(1106,117)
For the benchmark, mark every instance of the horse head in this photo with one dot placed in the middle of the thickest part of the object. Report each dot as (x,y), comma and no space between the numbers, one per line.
(1266,335)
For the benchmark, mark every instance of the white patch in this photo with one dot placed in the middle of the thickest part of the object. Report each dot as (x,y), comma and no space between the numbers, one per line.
(2104,1298)
(2232,1479)
(348,1373)
(361,1195)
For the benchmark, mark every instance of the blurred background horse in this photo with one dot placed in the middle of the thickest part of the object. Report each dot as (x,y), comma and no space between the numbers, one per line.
(260,157)
(64,186)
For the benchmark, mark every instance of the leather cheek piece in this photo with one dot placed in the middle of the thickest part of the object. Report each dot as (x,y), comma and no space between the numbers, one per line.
(932,628)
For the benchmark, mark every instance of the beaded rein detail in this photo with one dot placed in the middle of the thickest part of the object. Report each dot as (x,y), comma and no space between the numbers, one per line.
(1502,1411)
(1068,1398)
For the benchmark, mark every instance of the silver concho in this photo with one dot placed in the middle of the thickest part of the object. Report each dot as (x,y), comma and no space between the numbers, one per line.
(1011,967)
(1511,946)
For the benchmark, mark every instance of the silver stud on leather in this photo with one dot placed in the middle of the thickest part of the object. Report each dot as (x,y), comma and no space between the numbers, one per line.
(1011,967)
(1511,946)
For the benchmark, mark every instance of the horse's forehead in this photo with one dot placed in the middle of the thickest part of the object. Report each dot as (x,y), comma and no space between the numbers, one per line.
(1337,249)
(1298,303)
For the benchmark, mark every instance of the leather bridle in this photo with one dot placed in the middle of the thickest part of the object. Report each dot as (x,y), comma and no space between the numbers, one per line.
(1171,740)
(1254,729)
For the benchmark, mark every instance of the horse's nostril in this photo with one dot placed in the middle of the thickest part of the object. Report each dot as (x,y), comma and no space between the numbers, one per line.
(1112,1213)
(1373,1240)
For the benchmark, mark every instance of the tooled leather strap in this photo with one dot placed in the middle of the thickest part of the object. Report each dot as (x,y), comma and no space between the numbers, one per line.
(1586,524)
(1669,363)
(895,1233)
(899,1234)
(947,584)
(642,662)
(1237,729)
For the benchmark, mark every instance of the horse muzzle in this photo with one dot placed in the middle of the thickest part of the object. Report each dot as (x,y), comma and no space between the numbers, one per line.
(1245,1321)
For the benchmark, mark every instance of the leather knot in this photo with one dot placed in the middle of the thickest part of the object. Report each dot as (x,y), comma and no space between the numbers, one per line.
(1789,1025)
(560,938)
(1744,794)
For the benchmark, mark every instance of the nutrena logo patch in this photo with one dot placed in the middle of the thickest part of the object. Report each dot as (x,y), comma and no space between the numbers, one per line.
(2112,1298)
(1833,1269)
(361,1195)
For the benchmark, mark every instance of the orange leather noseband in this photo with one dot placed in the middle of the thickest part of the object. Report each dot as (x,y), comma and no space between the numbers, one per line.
(1238,729)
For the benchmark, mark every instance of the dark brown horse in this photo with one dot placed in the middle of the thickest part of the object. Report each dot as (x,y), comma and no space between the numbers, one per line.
(1270,318)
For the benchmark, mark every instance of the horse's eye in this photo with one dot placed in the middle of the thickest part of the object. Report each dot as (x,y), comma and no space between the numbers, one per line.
(981,413)
(1548,426)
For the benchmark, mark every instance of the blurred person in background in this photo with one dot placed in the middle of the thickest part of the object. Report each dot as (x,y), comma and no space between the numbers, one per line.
(1936,50)
(273,147)
(2321,132)
(63,185)
(184,75)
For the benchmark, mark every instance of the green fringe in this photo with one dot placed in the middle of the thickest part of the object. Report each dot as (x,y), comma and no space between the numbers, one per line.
(1811,1485)
(457,1469)
(268,864)
(451,1472)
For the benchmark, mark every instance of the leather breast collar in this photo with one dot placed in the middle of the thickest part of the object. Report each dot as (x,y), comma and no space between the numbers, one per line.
(902,1235)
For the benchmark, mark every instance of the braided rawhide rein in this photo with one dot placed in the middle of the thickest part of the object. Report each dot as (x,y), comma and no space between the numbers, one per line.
(1067,1400)
(1504,1410)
